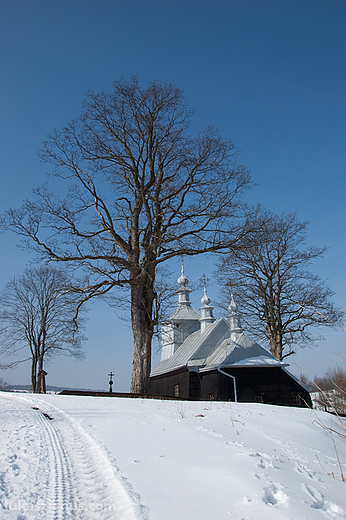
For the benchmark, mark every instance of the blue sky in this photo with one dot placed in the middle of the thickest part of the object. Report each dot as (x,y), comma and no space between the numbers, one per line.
(270,74)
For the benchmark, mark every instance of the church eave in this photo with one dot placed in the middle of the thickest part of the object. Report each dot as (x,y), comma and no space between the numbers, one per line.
(243,365)
(165,371)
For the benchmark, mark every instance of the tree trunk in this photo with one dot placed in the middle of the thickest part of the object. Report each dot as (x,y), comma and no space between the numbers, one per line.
(39,388)
(276,345)
(34,375)
(142,297)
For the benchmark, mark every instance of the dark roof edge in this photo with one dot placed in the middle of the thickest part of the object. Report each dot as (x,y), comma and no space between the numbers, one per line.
(167,370)
(306,387)
(276,365)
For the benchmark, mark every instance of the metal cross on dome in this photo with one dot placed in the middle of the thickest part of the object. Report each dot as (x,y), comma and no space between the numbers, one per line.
(204,279)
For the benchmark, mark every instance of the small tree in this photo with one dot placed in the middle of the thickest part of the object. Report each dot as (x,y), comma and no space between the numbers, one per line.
(281,300)
(143,192)
(4,387)
(331,390)
(36,317)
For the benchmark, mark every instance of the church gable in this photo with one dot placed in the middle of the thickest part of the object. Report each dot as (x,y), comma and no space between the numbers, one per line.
(190,349)
(209,342)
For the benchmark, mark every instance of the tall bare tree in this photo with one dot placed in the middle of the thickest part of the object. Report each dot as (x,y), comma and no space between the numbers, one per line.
(282,301)
(143,191)
(36,318)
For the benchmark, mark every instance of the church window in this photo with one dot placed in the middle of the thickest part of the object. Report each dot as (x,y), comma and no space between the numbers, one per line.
(297,400)
(177,390)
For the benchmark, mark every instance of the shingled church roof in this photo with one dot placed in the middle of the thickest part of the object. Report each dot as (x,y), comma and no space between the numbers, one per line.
(221,343)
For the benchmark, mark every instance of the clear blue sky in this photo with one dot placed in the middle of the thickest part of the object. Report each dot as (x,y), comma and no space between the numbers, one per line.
(269,73)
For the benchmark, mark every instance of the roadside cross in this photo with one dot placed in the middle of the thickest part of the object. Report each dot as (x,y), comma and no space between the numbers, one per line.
(110,382)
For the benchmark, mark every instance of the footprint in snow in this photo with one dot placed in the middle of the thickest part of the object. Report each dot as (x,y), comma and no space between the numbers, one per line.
(319,502)
(274,495)
(234,443)
(260,454)
(265,461)
(264,464)
(211,432)
(302,470)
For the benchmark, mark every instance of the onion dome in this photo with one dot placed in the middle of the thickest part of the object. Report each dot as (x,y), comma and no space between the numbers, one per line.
(182,280)
(205,300)
(233,307)
(234,317)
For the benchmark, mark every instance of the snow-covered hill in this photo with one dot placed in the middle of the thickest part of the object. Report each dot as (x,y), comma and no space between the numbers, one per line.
(67,457)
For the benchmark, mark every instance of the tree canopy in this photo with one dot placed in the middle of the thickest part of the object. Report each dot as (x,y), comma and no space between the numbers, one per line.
(36,319)
(141,191)
(282,301)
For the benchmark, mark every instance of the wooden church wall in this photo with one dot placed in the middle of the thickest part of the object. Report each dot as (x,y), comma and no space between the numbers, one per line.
(268,385)
(171,384)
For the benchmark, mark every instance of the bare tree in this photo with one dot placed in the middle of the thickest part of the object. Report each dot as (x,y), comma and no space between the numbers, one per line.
(331,390)
(4,386)
(36,318)
(144,192)
(281,300)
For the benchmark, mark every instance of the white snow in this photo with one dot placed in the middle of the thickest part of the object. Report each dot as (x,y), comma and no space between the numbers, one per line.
(257,361)
(114,458)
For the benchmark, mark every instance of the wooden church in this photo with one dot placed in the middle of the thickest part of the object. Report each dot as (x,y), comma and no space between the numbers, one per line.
(207,359)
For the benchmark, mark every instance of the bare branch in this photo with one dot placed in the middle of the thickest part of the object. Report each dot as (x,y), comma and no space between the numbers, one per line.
(281,300)
(36,317)
(139,191)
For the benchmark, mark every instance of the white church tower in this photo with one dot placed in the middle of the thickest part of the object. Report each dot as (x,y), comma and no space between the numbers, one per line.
(235,327)
(206,311)
(182,323)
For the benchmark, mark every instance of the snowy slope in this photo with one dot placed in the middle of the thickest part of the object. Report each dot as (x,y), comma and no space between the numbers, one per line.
(113,458)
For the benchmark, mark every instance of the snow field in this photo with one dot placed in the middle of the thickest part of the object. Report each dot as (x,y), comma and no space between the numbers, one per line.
(167,460)
(53,470)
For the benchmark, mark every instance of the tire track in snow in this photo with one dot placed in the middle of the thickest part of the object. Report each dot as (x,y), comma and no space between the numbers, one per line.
(77,479)
(100,491)
(60,500)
